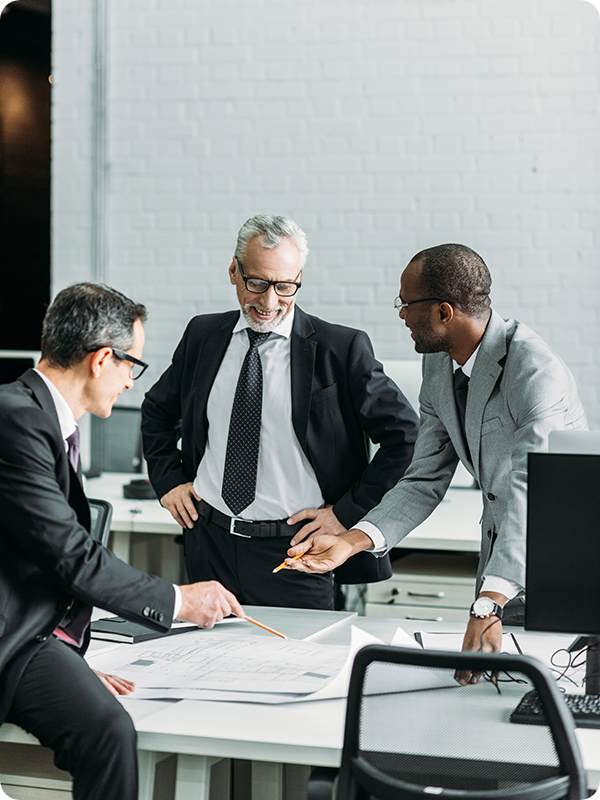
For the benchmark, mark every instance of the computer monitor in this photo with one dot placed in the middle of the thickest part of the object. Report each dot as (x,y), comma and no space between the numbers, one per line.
(563,550)
(116,442)
(13,363)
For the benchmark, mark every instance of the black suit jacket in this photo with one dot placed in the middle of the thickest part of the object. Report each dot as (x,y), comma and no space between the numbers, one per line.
(340,398)
(48,558)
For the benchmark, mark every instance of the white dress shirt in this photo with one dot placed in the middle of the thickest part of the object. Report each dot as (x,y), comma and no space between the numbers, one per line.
(67,423)
(285,480)
(491,583)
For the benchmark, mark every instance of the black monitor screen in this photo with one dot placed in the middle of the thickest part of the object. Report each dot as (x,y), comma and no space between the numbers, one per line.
(563,543)
(13,368)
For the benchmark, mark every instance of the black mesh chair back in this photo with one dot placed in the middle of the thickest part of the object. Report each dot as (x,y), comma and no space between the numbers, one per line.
(101,515)
(413,732)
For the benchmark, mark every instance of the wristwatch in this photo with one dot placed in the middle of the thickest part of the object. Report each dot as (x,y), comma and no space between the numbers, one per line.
(485,607)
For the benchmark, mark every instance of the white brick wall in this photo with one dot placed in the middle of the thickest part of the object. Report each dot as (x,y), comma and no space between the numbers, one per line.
(381,127)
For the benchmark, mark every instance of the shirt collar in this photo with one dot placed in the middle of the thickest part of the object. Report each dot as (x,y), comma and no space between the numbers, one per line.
(467,367)
(66,418)
(285,329)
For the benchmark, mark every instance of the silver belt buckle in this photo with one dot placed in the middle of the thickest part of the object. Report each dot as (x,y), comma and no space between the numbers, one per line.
(232,530)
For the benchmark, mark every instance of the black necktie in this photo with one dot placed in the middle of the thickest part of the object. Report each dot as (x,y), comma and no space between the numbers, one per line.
(73,451)
(241,459)
(461,389)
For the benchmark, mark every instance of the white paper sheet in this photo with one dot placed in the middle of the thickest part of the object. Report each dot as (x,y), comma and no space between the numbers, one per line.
(231,663)
(334,687)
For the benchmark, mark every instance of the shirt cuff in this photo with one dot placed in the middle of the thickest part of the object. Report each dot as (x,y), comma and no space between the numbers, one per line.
(493,583)
(379,545)
(178,601)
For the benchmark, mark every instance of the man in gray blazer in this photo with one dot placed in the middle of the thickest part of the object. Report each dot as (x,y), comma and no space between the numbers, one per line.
(492,391)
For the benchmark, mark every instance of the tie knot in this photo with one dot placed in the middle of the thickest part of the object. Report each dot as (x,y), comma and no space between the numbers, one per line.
(256,338)
(460,379)
(73,439)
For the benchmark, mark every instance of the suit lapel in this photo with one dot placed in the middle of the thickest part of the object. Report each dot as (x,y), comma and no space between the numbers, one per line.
(211,355)
(75,494)
(303,351)
(486,371)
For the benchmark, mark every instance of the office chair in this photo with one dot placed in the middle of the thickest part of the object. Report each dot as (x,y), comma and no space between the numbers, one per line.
(403,741)
(101,514)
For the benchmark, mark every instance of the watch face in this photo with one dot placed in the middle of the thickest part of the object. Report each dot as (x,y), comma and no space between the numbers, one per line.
(483,606)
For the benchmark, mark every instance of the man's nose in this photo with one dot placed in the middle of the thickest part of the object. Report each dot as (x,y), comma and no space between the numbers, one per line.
(270,298)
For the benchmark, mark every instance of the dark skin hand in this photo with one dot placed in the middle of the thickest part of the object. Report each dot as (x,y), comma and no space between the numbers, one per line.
(482,635)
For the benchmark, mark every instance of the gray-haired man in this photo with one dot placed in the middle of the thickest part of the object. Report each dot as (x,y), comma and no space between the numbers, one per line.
(52,570)
(273,407)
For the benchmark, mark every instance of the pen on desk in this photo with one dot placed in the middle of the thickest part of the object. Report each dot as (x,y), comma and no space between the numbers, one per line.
(282,565)
(265,627)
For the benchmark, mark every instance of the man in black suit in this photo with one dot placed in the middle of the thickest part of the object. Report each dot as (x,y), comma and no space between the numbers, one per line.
(274,408)
(52,570)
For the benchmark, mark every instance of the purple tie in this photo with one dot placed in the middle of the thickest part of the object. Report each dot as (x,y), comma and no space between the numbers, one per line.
(73,626)
(73,449)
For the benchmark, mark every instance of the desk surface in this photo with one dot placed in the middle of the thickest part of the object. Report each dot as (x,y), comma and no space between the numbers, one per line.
(303,733)
(454,525)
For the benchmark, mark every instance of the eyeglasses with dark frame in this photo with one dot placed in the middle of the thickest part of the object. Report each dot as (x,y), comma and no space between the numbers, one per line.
(400,306)
(137,367)
(260,286)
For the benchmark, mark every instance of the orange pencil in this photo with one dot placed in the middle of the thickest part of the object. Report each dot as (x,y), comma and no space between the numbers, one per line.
(282,565)
(260,625)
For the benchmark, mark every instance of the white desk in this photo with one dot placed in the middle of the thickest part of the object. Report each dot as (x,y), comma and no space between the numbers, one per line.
(203,732)
(305,733)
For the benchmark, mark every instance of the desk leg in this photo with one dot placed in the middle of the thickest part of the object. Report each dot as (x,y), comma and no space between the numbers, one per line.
(193,777)
(121,543)
(147,766)
(267,781)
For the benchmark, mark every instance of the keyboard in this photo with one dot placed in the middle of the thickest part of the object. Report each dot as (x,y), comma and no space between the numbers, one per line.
(584,707)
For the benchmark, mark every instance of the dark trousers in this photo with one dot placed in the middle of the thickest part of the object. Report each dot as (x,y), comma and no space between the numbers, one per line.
(245,567)
(62,702)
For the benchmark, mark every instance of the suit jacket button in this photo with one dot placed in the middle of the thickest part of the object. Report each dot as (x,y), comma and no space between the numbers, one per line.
(491,496)
(489,534)
(160,617)
(146,611)
(41,638)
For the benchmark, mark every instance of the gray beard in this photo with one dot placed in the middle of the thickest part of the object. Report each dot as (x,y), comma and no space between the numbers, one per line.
(262,327)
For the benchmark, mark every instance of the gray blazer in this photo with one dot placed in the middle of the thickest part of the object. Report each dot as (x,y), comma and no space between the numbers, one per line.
(519,391)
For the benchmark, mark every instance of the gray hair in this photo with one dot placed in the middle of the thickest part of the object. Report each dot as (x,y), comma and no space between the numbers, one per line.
(457,274)
(272,230)
(85,316)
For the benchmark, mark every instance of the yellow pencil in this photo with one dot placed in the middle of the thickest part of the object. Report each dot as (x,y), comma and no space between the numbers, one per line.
(260,625)
(282,565)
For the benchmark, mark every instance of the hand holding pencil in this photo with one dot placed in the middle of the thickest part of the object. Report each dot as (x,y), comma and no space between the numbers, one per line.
(323,553)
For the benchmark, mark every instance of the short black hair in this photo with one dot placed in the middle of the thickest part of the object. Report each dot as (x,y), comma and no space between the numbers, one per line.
(457,274)
(84,316)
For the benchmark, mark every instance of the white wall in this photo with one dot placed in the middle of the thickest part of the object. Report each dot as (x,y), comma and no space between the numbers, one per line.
(381,127)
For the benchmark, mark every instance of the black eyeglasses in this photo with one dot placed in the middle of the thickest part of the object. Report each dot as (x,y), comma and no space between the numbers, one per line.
(260,286)
(137,367)
(400,306)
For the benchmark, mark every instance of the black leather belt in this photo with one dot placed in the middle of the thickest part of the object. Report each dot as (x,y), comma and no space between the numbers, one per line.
(238,527)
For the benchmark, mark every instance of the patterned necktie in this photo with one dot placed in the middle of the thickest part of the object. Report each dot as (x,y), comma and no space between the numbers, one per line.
(461,389)
(241,459)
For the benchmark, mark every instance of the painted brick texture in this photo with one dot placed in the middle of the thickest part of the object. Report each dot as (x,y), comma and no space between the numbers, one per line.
(380,127)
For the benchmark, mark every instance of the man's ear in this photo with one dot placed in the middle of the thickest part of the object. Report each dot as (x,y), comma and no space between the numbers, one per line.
(98,360)
(446,312)
(232,269)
